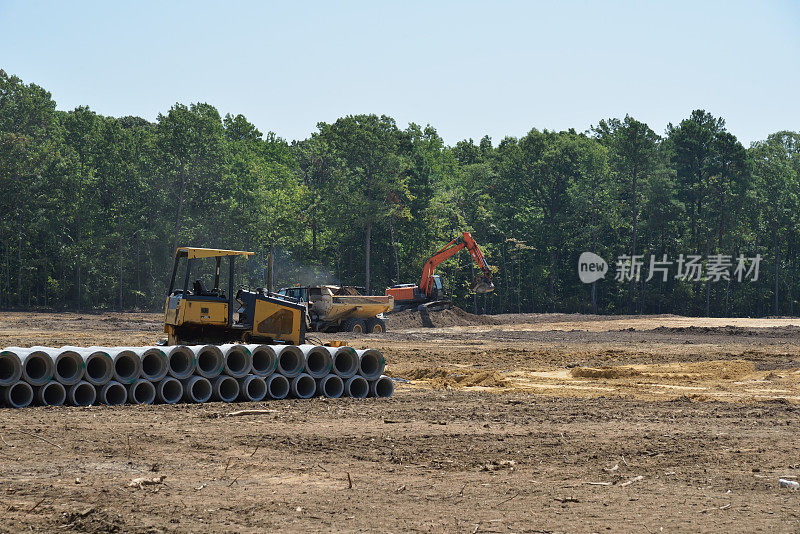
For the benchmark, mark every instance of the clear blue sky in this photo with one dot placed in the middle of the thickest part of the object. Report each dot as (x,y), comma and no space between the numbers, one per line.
(467,68)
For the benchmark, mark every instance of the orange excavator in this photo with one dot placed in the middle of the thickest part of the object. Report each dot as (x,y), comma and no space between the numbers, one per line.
(429,291)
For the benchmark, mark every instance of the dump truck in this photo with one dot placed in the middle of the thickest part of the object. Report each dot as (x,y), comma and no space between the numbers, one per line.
(341,308)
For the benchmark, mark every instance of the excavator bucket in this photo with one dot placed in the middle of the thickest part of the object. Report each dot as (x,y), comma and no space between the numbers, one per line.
(482,285)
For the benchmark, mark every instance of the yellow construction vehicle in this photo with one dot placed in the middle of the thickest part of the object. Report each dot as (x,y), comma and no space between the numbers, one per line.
(199,315)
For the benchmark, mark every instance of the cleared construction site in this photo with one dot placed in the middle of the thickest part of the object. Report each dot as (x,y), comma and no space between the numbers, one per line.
(503,423)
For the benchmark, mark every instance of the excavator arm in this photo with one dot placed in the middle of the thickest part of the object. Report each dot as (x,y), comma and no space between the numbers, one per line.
(482,285)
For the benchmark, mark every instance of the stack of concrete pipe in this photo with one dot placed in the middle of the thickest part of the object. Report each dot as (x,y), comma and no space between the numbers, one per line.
(82,376)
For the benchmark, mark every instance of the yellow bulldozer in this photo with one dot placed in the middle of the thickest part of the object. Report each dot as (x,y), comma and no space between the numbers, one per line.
(195,314)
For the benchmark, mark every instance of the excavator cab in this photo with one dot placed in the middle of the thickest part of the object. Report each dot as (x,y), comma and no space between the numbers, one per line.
(198,314)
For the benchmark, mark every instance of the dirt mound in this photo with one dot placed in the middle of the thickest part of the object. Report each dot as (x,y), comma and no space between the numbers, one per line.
(604,372)
(708,370)
(454,316)
(441,378)
(771,331)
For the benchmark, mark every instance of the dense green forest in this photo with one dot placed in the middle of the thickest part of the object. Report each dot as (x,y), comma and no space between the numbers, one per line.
(93,206)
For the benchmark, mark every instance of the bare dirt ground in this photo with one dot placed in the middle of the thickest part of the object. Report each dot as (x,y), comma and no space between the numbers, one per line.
(524,423)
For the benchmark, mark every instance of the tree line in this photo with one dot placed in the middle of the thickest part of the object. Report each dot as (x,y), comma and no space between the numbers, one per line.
(93,207)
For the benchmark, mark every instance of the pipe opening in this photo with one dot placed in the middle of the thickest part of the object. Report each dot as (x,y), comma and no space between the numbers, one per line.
(142,392)
(199,389)
(8,368)
(383,387)
(181,363)
(277,387)
(370,364)
(304,386)
(357,387)
(126,367)
(345,363)
(226,388)
(67,368)
(290,362)
(171,390)
(53,394)
(318,363)
(153,366)
(20,395)
(332,386)
(36,368)
(209,364)
(114,394)
(256,389)
(237,362)
(263,362)
(98,368)
(82,394)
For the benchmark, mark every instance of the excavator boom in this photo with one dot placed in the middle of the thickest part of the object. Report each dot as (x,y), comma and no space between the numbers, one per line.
(482,285)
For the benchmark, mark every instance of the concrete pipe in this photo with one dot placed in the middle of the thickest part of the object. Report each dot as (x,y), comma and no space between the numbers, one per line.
(81,394)
(181,362)
(127,363)
(98,365)
(112,393)
(303,386)
(155,365)
(356,387)
(265,361)
(318,360)
(331,386)
(370,363)
(277,386)
(345,361)
(210,361)
(51,394)
(36,365)
(290,360)
(382,387)
(238,360)
(196,389)
(225,388)
(10,367)
(252,388)
(141,392)
(18,395)
(68,366)
(169,390)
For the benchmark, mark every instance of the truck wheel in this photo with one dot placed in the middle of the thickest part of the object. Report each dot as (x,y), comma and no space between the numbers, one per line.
(354,325)
(376,325)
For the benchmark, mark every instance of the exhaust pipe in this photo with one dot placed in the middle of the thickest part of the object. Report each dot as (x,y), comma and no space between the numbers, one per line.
(210,361)
(112,393)
(180,361)
(68,366)
(382,387)
(277,386)
(265,360)
(225,388)
(290,360)
(10,367)
(238,360)
(36,365)
(141,392)
(356,387)
(303,386)
(252,388)
(196,389)
(318,360)
(18,395)
(331,386)
(51,394)
(370,363)
(169,390)
(81,394)
(345,361)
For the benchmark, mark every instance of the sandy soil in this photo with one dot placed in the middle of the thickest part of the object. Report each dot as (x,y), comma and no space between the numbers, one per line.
(530,423)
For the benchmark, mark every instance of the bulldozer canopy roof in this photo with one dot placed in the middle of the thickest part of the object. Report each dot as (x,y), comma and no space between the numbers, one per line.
(192,252)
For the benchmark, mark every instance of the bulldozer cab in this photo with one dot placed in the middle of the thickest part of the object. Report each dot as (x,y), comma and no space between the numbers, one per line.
(202,306)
